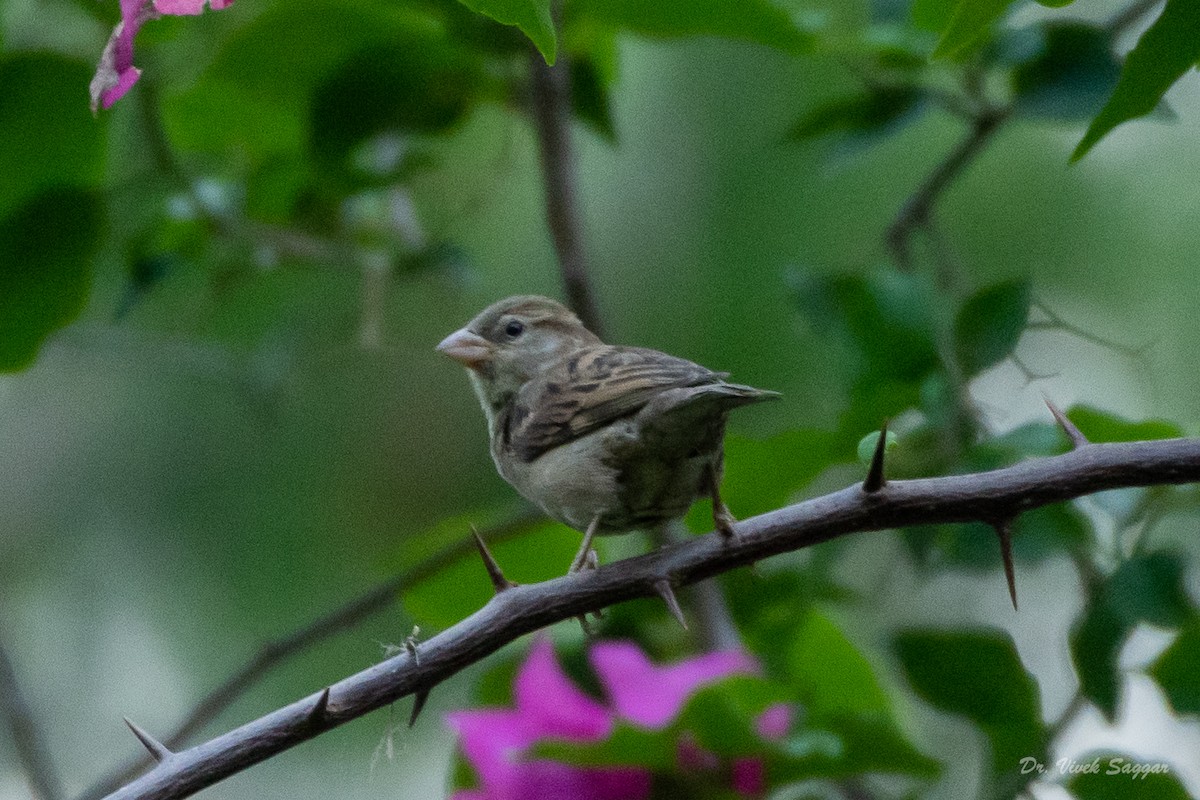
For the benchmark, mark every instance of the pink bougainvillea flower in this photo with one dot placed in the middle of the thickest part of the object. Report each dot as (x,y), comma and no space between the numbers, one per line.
(115,72)
(549,706)
(653,696)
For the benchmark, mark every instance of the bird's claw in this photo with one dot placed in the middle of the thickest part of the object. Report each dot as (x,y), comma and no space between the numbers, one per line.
(724,521)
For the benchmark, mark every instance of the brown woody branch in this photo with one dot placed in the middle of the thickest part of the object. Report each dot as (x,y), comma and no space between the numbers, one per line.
(989,497)
(276,652)
(551,100)
(916,213)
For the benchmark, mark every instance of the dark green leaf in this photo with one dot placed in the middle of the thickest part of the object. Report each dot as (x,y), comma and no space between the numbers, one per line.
(758,21)
(1177,671)
(46,247)
(49,137)
(1121,777)
(531,16)
(970,22)
(989,325)
(1164,53)
(589,97)
(885,317)
(977,674)
(1145,589)
(1101,426)
(833,676)
(415,84)
(881,110)
(1070,77)
(932,15)
(628,745)
(1150,589)
(1095,643)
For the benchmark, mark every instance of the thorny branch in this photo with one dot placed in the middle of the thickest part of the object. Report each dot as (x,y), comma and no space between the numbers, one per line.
(274,653)
(994,497)
(31,750)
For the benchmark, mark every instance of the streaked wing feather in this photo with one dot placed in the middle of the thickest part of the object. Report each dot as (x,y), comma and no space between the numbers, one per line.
(591,389)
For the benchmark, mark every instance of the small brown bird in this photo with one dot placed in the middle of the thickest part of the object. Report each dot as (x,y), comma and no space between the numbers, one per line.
(606,439)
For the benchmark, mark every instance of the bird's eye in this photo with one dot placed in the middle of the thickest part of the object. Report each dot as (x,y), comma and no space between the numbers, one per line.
(514,329)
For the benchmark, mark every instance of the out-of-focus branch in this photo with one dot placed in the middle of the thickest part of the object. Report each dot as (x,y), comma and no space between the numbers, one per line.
(917,211)
(31,750)
(274,653)
(994,497)
(551,100)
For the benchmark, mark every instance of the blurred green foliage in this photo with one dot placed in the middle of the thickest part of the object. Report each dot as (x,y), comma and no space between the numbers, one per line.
(240,422)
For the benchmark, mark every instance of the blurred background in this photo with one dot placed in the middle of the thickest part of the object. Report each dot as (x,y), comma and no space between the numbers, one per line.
(246,425)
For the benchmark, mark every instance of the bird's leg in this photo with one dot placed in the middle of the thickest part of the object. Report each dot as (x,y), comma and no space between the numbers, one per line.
(582,558)
(723,520)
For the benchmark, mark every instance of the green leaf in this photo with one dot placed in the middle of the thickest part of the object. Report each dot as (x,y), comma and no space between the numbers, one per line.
(531,16)
(885,317)
(932,15)
(866,445)
(1177,671)
(1095,643)
(978,675)
(1145,589)
(413,84)
(49,137)
(1101,426)
(882,110)
(989,325)
(46,248)
(628,745)
(1168,49)
(969,23)
(461,589)
(722,716)
(833,675)
(1069,79)
(589,98)
(1120,777)
(758,21)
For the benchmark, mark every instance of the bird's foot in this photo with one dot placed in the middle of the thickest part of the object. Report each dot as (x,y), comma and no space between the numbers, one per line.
(724,521)
(586,558)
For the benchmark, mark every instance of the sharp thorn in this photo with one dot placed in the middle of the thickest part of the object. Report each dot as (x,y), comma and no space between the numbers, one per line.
(1074,434)
(419,699)
(1004,533)
(499,582)
(663,587)
(875,479)
(157,749)
(316,714)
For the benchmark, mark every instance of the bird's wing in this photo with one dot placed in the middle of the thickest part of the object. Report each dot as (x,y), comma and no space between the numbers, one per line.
(590,389)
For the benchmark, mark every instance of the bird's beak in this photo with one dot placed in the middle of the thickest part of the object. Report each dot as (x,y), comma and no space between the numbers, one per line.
(468,349)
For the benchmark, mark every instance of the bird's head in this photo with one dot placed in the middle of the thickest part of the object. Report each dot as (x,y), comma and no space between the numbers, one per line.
(510,340)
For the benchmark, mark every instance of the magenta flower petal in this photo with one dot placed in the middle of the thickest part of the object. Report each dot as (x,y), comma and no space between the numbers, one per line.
(748,777)
(650,695)
(188,7)
(550,780)
(775,722)
(551,704)
(493,740)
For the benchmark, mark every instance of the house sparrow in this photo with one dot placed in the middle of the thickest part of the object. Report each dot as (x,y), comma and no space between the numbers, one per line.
(606,439)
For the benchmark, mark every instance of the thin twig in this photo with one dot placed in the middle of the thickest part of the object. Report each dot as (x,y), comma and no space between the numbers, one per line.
(274,653)
(916,213)
(31,750)
(998,494)
(551,95)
